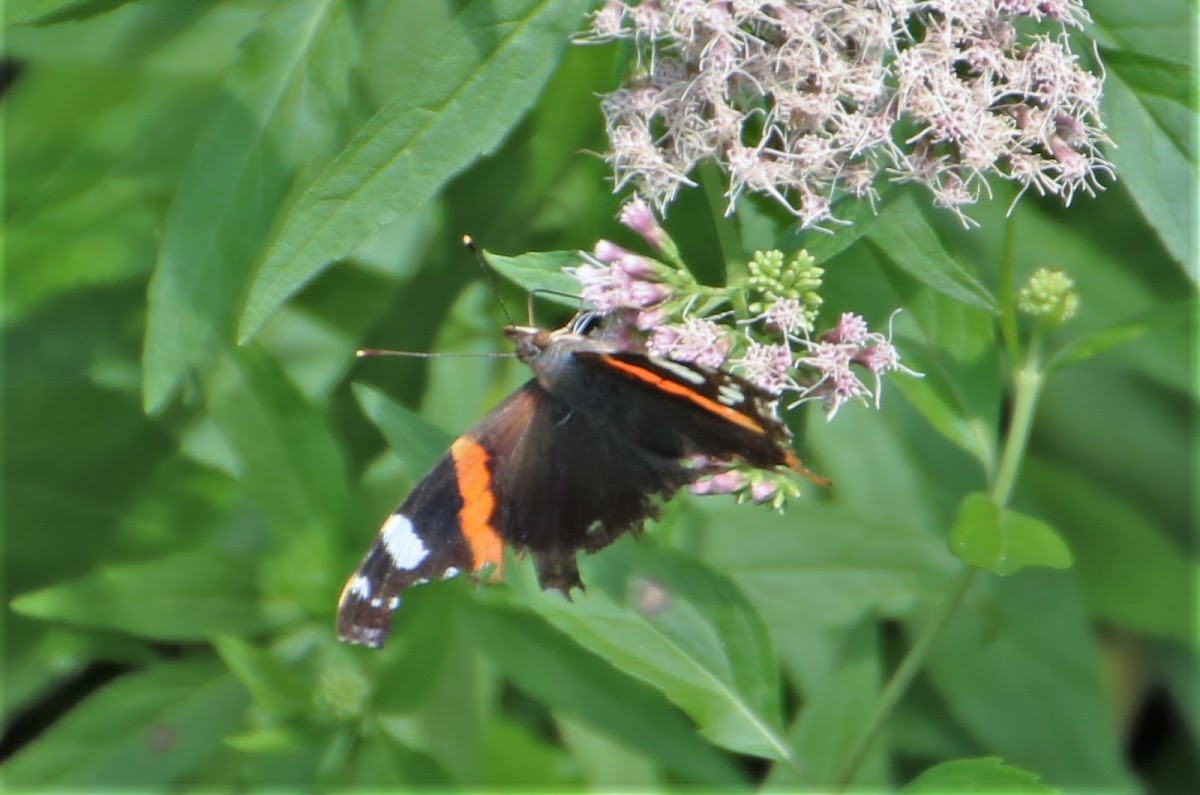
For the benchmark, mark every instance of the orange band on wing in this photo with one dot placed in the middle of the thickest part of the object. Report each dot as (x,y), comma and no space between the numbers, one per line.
(678,390)
(478,503)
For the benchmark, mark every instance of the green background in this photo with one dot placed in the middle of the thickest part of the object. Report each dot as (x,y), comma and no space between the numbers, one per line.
(181,510)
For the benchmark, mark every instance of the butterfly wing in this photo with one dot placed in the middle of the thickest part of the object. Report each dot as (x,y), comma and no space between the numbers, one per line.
(444,526)
(574,482)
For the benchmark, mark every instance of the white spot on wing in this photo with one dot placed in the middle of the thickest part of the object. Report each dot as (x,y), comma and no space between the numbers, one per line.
(730,395)
(402,543)
(360,587)
(450,572)
(681,371)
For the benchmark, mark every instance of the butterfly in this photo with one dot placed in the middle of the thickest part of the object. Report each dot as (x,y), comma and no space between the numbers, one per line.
(579,455)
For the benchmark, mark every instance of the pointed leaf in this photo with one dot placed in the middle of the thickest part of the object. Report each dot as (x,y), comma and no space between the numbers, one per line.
(238,174)
(984,775)
(1019,668)
(286,452)
(571,681)
(276,687)
(416,441)
(188,597)
(837,713)
(905,238)
(821,565)
(1150,115)
(541,270)
(145,731)
(685,630)
(1133,574)
(22,12)
(1004,541)
(959,391)
(495,56)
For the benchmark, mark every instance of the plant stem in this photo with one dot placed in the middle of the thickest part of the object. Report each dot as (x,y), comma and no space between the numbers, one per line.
(909,667)
(1006,293)
(1028,381)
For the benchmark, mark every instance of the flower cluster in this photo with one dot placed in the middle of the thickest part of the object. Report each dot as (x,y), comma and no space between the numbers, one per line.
(804,100)
(761,327)
(1050,296)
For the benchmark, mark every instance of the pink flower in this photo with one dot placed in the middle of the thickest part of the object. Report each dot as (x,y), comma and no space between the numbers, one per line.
(700,341)
(637,216)
(608,252)
(643,294)
(767,366)
(763,490)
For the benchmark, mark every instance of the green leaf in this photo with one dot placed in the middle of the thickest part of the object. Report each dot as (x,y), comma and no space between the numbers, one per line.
(22,12)
(272,740)
(824,247)
(1155,158)
(959,391)
(905,238)
(1163,28)
(819,568)
(836,714)
(1158,322)
(274,686)
(1086,347)
(686,631)
(517,759)
(147,730)
(103,237)
(1003,541)
(497,55)
(288,457)
(415,441)
(984,775)
(271,120)
(451,722)
(1132,574)
(609,766)
(541,270)
(824,565)
(571,681)
(1151,76)
(189,597)
(1019,668)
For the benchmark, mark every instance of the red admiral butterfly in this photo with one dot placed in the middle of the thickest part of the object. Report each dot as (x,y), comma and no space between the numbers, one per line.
(569,461)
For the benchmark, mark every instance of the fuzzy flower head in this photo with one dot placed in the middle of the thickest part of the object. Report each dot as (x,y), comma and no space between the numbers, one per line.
(806,100)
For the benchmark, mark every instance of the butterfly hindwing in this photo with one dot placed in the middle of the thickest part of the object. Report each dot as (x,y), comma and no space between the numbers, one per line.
(573,483)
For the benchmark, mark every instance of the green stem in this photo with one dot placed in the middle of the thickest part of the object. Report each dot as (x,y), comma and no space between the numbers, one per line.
(897,686)
(1028,383)
(1007,293)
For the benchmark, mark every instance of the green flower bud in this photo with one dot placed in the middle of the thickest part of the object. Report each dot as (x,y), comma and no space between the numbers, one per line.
(341,691)
(1050,295)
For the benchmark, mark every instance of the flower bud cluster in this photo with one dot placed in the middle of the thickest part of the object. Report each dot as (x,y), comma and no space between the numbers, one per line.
(1049,295)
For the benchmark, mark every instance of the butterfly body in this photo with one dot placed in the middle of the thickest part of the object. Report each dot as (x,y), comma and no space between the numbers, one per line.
(571,460)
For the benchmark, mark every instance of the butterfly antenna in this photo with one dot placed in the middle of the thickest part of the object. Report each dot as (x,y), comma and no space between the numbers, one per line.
(491,276)
(363,353)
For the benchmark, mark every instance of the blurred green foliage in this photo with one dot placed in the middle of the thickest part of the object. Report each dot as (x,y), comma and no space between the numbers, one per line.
(210,206)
